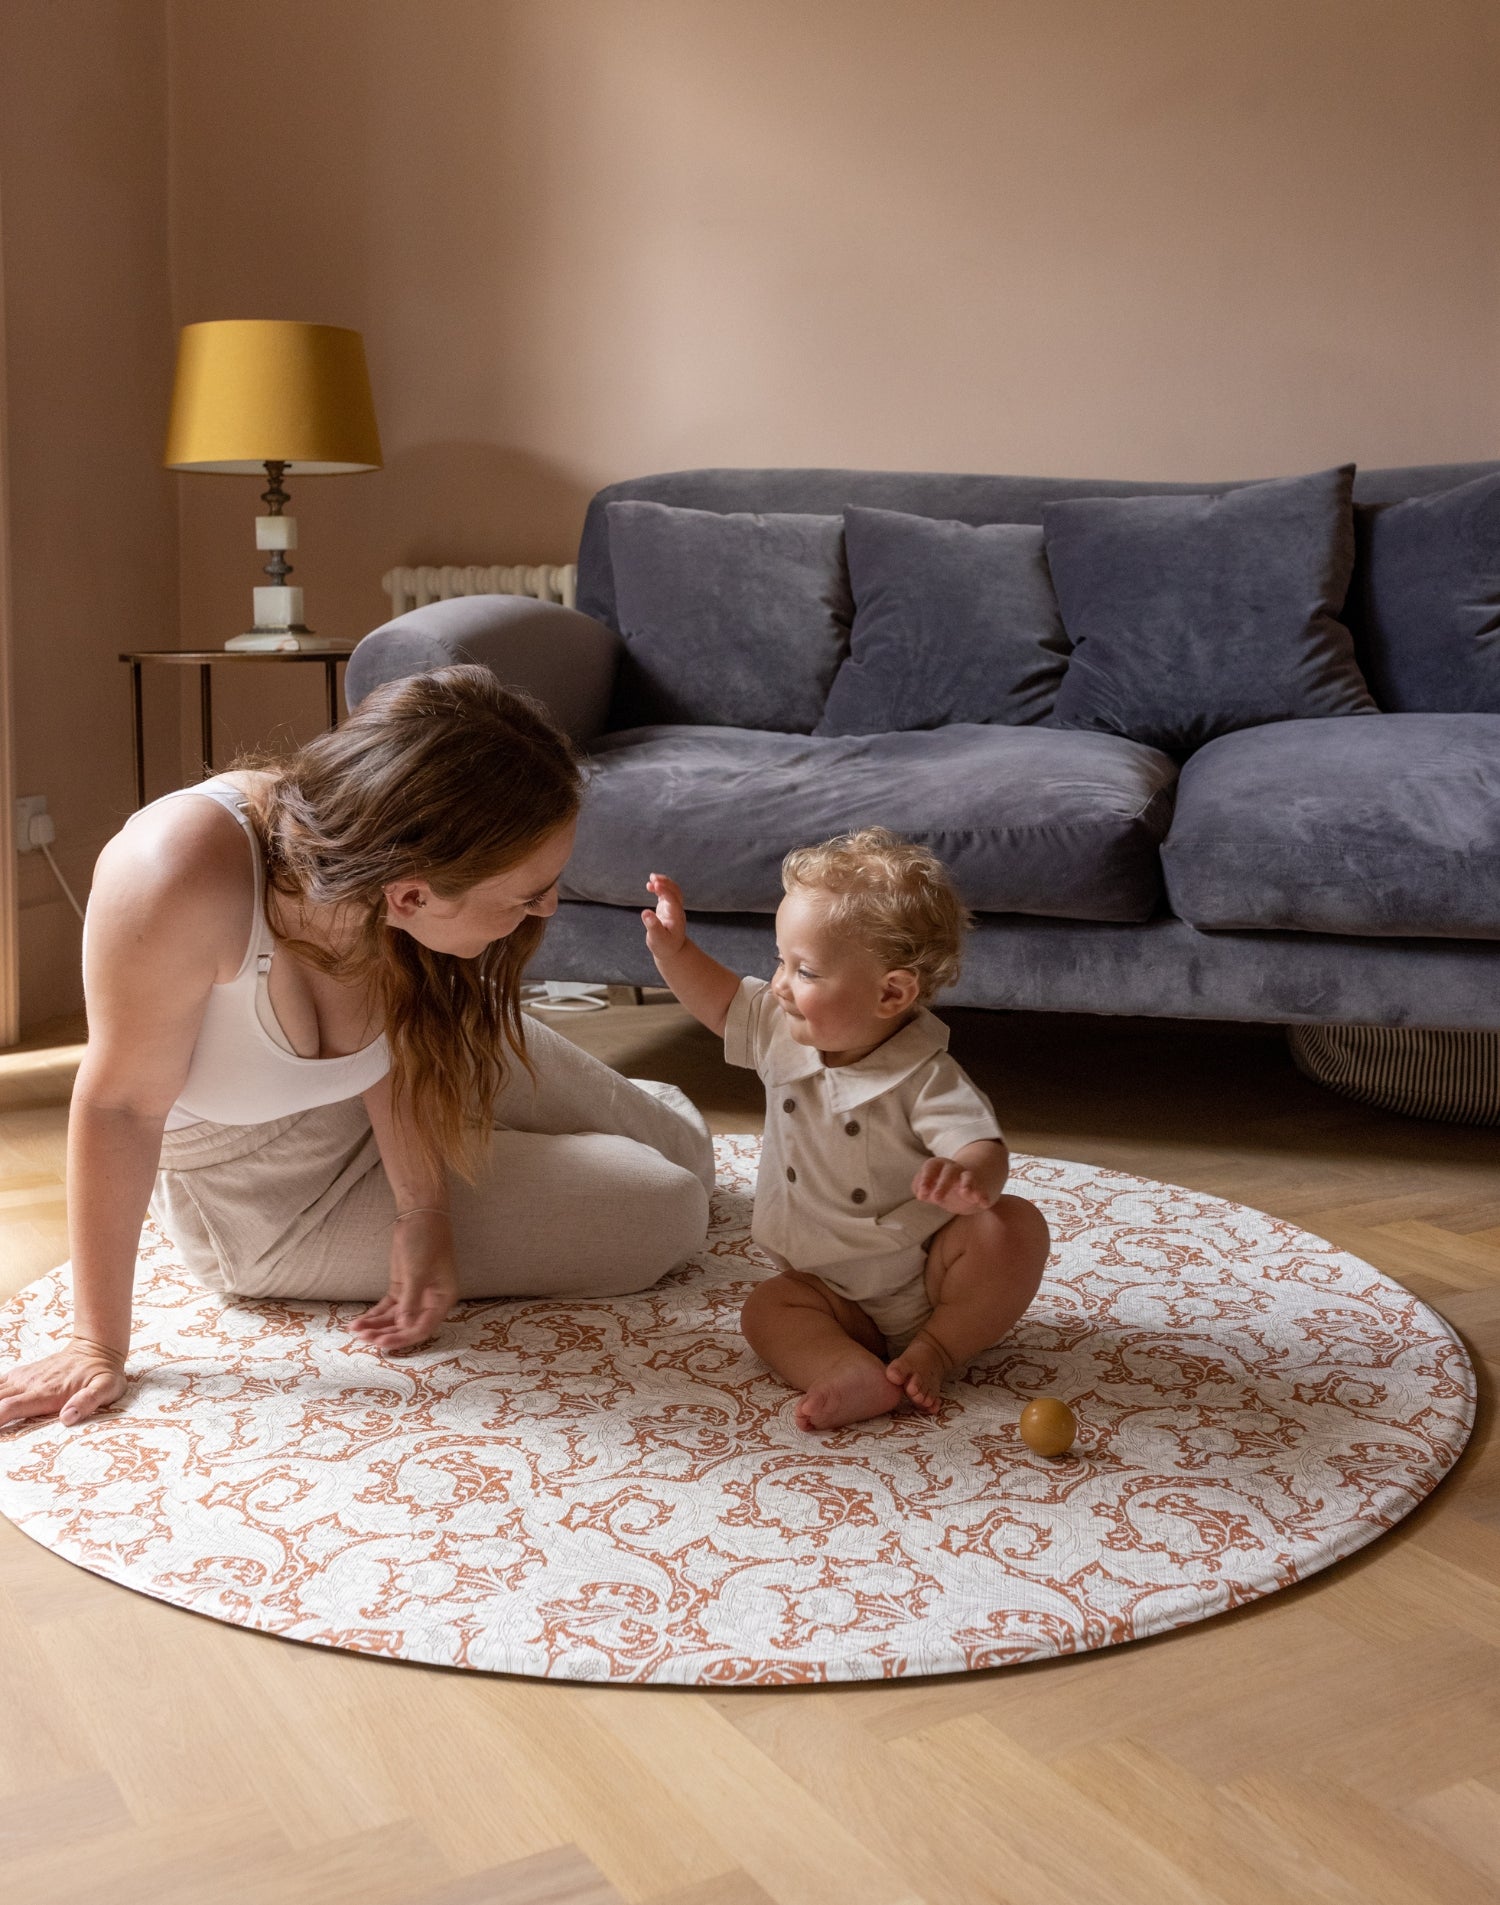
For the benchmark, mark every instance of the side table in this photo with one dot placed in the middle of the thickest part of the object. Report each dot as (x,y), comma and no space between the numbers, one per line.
(204,660)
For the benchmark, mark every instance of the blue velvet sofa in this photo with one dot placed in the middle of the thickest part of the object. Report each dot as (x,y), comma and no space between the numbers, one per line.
(1336,869)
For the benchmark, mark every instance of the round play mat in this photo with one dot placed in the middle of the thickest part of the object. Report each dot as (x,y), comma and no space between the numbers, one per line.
(616,1490)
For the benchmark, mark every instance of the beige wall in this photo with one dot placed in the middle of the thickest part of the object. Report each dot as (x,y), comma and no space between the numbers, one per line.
(83,140)
(591,238)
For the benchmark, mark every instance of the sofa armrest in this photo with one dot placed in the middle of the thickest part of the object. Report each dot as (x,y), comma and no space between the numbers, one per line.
(565,659)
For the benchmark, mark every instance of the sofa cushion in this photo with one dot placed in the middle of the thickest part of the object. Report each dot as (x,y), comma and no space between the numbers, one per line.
(1027,820)
(1425,603)
(736,620)
(1193,616)
(951,623)
(567,660)
(1389,825)
(939,493)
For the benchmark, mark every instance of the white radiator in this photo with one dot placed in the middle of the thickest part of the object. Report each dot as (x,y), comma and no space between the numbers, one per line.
(414,588)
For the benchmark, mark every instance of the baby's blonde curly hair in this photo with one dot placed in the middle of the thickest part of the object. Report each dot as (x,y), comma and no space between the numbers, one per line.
(890,896)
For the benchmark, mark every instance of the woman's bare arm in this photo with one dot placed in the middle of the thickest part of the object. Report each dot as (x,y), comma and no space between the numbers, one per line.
(168,912)
(413,1181)
(424,1276)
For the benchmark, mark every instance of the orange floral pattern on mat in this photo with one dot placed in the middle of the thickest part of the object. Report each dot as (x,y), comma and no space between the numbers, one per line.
(616,1490)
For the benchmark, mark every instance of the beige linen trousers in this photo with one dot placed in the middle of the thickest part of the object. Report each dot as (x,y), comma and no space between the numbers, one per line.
(593,1185)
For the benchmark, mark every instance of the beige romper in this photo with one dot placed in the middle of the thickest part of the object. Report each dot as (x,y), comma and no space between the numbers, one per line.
(842,1145)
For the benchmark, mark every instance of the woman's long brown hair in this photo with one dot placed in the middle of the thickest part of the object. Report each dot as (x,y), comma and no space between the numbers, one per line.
(451,778)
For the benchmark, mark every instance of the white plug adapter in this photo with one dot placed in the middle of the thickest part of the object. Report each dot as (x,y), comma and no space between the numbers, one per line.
(34,825)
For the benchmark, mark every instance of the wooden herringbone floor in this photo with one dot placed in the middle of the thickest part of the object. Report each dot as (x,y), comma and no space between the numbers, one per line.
(1340,1741)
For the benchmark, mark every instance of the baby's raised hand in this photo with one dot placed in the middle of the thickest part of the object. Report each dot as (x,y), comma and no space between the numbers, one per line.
(666,927)
(940,1181)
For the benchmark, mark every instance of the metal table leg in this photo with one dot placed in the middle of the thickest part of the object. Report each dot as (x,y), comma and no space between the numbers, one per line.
(137,735)
(331,684)
(206,716)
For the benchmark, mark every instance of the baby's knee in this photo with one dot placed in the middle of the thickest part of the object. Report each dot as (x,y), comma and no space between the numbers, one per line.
(763,1301)
(1021,1226)
(1010,1237)
(770,1302)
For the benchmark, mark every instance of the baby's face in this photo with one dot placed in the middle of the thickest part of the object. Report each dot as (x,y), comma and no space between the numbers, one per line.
(835,995)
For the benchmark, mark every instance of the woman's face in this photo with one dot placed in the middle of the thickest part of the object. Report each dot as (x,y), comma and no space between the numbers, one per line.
(474,919)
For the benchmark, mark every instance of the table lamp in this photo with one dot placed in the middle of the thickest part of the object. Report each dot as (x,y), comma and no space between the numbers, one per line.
(257,395)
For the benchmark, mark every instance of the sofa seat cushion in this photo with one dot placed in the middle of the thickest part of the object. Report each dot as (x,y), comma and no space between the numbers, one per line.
(1027,820)
(1386,825)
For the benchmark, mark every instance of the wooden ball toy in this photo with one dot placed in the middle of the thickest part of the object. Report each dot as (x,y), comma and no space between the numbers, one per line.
(1048,1425)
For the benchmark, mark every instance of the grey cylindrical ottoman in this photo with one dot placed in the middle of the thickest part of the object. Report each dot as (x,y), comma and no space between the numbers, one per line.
(1454,1076)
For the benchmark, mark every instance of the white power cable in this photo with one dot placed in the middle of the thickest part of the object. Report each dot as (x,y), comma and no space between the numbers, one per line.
(72,898)
(39,831)
(563,995)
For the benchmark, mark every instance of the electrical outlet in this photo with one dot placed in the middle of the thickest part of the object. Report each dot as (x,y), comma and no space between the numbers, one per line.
(34,826)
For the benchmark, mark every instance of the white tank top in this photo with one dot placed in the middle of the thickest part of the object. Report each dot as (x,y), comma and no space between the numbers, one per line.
(243,1069)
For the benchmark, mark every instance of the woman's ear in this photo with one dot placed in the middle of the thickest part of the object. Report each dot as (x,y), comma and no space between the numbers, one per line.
(404,901)
(899,991)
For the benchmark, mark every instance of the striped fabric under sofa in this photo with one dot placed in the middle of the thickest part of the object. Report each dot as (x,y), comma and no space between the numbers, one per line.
(1453,1076)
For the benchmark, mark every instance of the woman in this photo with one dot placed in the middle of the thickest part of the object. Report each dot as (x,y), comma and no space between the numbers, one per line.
(306,1048)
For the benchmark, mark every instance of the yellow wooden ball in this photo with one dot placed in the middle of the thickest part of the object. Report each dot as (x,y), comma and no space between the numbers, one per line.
(1048,1425)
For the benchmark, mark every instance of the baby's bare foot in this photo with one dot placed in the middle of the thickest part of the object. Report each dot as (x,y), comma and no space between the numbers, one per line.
(919,1370)
(853,1392)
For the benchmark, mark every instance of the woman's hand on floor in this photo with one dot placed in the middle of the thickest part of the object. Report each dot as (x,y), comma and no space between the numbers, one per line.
(424,1286)
(73,1383)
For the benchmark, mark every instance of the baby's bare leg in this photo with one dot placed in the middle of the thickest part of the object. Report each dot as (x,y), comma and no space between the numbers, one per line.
(982,1273)
(821,1343)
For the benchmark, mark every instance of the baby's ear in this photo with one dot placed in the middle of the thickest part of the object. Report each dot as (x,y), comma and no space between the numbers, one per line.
(899,991)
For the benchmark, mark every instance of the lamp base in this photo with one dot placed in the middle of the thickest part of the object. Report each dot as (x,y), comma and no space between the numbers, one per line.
(277,641)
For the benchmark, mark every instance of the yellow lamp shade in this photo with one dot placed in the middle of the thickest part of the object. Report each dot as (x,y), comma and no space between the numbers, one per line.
(252,391)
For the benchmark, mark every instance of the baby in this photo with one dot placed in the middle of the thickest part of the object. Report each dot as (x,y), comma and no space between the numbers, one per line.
(881,1192)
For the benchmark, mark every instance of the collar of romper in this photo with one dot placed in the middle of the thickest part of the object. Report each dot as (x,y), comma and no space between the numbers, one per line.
(851,1085)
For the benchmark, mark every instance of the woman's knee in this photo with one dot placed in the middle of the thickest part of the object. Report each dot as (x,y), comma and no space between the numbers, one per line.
(683,1136)
(657,1219)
